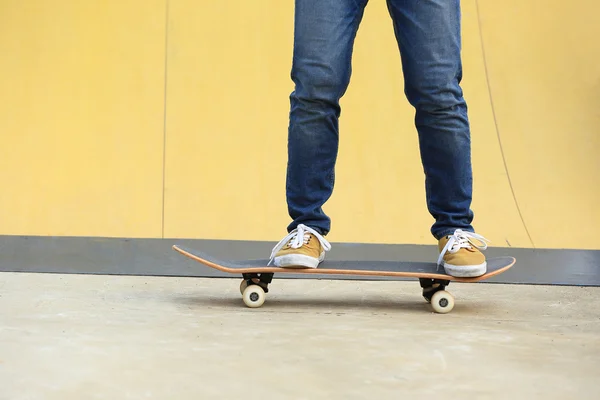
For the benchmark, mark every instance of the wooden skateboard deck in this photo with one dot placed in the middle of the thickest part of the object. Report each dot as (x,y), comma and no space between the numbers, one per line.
(257,275)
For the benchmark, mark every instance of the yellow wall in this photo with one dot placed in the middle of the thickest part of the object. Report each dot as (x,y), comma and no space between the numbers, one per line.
(81,117)
(82,112)
(544,71)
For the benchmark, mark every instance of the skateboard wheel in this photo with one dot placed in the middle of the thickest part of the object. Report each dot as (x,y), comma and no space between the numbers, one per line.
(253,296)
(430,291)
(442,302)
(243,286)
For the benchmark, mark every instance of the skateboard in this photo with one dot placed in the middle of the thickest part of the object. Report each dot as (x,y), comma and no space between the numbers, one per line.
(257,275)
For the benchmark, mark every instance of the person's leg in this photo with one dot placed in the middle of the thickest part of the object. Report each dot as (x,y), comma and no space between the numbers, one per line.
(429,38)
(323,41)
(324,33)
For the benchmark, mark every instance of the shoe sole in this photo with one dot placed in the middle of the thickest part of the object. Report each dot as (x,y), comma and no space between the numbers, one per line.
(465,271)
(296,261)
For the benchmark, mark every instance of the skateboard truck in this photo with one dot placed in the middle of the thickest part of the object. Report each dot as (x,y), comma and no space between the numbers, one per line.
(261,280)
(434,292)
(431,286)
(254,286)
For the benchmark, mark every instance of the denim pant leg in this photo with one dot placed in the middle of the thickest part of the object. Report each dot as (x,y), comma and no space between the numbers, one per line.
(428,35)
(323,41)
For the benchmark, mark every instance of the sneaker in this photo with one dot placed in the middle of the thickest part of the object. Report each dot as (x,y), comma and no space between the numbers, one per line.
(460,256)
(302,248)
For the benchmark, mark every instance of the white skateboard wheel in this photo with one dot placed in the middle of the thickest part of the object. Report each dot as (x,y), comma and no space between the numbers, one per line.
(442,302)
(243,286)
(253,296)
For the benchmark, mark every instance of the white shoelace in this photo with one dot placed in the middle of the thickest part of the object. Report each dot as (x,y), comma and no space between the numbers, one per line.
(462,239)
(297,238)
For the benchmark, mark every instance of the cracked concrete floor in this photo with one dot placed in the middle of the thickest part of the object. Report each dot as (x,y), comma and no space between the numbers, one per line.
(123,337)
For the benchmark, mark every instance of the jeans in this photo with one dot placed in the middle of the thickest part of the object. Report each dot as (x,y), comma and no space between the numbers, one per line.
(428,37)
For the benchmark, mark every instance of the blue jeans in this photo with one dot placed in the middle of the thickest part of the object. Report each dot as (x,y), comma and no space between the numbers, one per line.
(428,37)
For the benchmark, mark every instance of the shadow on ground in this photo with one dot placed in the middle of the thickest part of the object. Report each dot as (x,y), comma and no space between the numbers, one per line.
(320,305)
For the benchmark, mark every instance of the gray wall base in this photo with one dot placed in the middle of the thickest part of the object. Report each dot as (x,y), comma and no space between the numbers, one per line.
(155,257)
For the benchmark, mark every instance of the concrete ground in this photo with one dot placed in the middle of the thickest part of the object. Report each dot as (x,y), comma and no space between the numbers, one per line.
(117,337)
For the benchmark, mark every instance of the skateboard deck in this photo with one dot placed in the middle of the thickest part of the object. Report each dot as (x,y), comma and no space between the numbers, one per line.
(257,275)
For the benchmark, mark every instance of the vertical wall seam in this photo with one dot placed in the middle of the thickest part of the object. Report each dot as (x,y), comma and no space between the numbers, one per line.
(164,164)
(489,87)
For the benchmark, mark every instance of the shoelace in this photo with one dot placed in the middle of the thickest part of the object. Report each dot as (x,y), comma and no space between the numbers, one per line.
(297,238)
(462,239)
